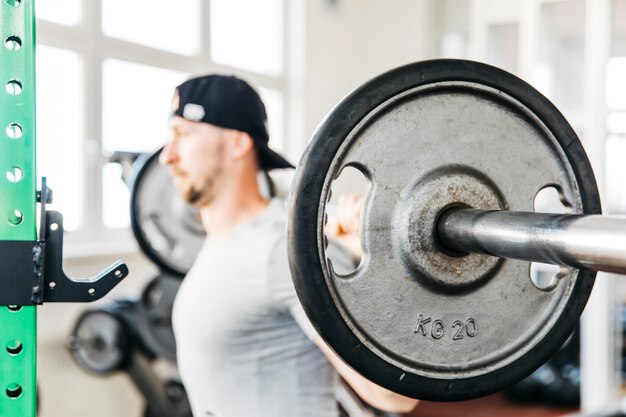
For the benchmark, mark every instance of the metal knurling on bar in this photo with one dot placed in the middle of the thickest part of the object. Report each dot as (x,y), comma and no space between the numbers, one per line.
(18,331)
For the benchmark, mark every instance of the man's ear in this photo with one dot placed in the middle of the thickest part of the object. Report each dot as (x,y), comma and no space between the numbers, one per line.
(242,145)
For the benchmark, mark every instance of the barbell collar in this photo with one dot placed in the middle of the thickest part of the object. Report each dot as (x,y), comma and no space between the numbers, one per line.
(591,242)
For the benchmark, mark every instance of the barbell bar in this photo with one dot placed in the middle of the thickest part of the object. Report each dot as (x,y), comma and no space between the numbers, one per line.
(577,241)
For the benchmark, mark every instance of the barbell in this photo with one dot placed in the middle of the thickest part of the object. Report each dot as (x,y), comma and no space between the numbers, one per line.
(442,306)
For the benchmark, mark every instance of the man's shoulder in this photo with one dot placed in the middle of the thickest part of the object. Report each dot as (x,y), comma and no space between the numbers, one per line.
(277,209)
(275,219)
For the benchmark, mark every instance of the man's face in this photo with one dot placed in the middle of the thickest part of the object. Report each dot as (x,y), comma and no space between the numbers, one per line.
(195,155)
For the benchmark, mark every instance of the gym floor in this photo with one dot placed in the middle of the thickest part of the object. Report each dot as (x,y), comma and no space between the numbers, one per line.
(491,406)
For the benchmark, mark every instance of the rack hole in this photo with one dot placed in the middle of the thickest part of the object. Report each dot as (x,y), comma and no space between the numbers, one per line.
(14,347)
(13,43)
(92,291)
(14,87)
(118,273)
(15,217)
(54,227)
(14,391)
(14,308)
(14,131)
(13,3)
(52,285)
(15,174)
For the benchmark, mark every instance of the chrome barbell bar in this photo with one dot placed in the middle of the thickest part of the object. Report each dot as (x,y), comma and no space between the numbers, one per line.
(593,242)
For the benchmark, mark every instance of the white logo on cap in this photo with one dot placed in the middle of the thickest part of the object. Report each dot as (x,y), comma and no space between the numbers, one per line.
(193,112)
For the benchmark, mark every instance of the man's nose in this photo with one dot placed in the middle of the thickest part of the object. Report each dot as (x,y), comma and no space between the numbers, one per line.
(168,153)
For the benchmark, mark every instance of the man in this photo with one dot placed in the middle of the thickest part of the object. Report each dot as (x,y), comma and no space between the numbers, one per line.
(245,347)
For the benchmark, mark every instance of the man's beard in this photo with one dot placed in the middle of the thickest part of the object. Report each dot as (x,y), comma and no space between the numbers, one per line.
(194,196)
(202,194)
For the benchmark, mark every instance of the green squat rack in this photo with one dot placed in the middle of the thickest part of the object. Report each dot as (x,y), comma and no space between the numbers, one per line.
(18,325)
(30,272)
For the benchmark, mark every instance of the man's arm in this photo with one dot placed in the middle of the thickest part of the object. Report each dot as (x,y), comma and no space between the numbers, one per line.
(373,394)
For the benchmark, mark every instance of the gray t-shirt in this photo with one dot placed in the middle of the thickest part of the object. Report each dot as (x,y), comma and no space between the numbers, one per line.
(244,344)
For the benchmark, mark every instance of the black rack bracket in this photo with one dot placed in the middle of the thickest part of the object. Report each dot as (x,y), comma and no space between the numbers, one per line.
(32,271)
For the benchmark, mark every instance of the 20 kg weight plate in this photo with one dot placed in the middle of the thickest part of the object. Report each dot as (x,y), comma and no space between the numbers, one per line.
(412,317)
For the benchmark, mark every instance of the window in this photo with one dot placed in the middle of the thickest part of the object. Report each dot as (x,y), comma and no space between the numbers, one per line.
(259,48)
(106,74)
(136,105)
(135,108)
(59,127)
(64,12)
(161,24)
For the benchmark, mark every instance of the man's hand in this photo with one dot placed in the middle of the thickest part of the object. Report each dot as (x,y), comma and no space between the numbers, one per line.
(345,227)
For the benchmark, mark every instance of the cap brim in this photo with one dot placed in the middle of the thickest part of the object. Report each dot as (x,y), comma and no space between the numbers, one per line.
(268,159)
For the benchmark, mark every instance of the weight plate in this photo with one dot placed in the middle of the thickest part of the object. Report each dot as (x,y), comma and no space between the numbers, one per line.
(99,342)
(155,315)
(168,230)
(411,317)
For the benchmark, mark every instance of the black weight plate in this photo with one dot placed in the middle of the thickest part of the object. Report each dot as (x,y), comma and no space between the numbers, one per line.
(100,341)
(155,315)
(167,229)
(344,327)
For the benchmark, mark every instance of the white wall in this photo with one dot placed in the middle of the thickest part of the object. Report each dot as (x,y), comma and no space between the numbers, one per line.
(347,42)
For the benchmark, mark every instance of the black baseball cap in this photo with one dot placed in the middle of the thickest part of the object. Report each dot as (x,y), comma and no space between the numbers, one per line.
(229,102)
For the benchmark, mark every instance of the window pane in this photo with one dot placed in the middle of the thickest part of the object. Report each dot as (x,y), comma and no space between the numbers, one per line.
(60,129)
(503,46)
(115,197)
(274,107)
(251,40)
(65,12)
(559,73)
(136,105)
(169,25)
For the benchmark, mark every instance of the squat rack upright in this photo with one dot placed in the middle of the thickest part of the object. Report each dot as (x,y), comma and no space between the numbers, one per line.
(18,324)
